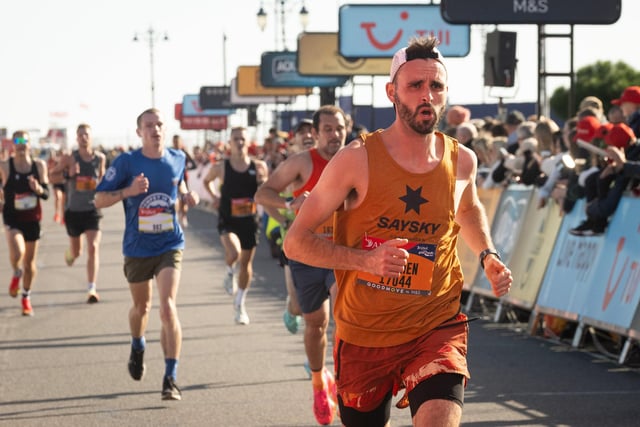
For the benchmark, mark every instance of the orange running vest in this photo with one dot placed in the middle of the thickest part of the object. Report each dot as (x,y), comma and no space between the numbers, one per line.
(374,311)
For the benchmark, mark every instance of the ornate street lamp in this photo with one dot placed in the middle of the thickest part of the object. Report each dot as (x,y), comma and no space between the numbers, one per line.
(279,9)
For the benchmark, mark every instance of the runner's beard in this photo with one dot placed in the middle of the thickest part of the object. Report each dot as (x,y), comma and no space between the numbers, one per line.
(414,120)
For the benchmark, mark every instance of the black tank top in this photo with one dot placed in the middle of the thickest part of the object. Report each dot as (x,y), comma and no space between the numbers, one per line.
(238,189)
(21,204)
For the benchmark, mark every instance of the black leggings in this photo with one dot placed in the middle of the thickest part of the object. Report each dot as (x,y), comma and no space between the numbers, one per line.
(441,386)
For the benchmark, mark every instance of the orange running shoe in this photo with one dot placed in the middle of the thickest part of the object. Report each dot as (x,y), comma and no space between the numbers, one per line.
(27,310)
(14,286)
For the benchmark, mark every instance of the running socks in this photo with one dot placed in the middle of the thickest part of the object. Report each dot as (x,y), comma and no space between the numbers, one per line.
(240,297)
(171,368)
(138,344)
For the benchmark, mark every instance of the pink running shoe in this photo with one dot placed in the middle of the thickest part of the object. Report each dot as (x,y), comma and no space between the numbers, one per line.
(324,404)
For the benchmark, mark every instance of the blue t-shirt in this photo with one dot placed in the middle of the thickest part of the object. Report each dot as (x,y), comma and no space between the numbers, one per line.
(151,227)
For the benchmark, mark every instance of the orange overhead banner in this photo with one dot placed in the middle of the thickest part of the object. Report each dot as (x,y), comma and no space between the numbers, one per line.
(318,55)
(248,81)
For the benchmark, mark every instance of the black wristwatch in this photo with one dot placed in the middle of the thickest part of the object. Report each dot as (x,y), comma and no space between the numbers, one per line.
(484,254)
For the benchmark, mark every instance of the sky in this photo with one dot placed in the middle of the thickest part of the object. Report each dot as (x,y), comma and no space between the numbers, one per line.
(65,62)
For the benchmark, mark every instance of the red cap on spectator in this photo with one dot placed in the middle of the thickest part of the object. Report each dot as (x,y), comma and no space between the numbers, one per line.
(630,94)
(603,130)
(587,128)
(619,135)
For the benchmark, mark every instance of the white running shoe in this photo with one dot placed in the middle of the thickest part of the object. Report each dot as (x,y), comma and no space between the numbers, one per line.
(241,317)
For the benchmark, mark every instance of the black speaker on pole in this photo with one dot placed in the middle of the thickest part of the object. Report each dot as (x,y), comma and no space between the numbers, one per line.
(500,59)
(252,115)
(327,96)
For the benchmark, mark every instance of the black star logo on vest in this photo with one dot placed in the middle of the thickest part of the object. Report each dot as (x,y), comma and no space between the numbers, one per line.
(413,199)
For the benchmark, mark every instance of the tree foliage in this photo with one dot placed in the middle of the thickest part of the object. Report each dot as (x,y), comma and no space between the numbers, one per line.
(604,79)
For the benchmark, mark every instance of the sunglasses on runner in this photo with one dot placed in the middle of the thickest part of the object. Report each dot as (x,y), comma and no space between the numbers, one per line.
(20,140)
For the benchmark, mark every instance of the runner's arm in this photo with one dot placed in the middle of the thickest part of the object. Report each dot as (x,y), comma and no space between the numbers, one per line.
(340,179)
(474,226)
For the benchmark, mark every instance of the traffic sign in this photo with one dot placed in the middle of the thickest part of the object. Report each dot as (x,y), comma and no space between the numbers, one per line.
(539,12)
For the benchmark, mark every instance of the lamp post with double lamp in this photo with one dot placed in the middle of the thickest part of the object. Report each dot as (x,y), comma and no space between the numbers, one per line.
(151,37)
(280,10)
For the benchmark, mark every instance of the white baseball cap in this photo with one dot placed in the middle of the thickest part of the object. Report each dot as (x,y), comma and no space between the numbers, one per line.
(400,57)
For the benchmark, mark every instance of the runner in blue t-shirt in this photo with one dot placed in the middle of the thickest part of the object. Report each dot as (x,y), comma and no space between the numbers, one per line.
(149,181)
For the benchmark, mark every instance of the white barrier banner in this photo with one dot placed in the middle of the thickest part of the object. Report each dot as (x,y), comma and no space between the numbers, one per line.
(614,292)
(571,267)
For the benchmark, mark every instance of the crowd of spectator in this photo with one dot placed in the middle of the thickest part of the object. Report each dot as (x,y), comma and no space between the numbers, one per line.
(565,163)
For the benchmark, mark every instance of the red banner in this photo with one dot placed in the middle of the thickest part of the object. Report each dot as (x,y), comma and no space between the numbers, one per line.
(203,122)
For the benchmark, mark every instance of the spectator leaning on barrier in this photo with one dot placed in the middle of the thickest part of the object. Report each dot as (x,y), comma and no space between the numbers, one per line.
(466,132)
(586,130)
(524,130)
(619,162)
(534,156)
(525,164)
(514,119)
(498,130)
(605,189)
(615,114)
(497,172)
(595,104)
(558,167)
(514,160)
(629,101)
(544,131)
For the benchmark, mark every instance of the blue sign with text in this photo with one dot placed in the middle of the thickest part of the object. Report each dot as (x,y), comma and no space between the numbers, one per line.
(280,69)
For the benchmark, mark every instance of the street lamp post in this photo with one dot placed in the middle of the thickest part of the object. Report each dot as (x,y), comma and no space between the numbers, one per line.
(151,37)
(280,10)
